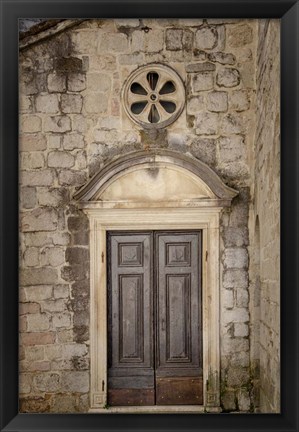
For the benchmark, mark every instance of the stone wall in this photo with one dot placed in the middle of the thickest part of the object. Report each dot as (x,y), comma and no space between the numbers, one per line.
(71,123)
(265,223)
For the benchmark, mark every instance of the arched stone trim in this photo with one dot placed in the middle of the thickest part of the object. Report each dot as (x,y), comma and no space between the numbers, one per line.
(211,190)
(200,210)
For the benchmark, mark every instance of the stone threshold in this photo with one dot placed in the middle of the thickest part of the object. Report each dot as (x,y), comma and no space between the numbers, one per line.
(156,409)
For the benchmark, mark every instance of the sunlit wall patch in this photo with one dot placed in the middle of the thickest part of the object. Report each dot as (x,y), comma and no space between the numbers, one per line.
(153,96)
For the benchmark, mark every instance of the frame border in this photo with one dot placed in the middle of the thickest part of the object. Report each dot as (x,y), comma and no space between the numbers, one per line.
(10,12)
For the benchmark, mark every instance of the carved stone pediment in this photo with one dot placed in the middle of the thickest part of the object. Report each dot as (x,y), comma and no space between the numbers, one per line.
(153,179)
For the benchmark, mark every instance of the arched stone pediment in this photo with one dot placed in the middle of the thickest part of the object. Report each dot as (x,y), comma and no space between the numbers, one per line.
(155,178)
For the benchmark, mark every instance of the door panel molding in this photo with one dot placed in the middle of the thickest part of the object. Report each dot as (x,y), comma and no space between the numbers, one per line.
(130,331)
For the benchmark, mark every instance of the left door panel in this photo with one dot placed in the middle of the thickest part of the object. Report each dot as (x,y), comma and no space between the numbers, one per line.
(131,379)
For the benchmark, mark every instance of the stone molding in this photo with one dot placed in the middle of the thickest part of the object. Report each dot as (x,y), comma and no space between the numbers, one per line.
(218,194)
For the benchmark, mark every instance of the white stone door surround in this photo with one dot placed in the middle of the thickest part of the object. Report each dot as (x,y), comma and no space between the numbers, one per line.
(154,190)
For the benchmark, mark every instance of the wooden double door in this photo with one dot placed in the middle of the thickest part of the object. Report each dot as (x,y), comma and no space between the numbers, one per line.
(154,318)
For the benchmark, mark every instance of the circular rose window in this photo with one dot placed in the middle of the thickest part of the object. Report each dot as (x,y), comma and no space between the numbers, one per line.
(153,96)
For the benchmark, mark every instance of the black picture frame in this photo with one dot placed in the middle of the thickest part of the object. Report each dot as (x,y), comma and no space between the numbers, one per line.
(288,12)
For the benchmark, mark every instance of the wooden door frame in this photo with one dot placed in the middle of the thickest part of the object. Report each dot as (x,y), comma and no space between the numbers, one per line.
(115,219)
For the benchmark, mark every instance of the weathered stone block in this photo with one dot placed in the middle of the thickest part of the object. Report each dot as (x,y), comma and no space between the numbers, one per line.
(76,381)
(34,160)
(38,322)
(37,338)
(233,124)
(227,297)
(80,123)
(200,67)
(239,315)
(28,84)
(231,149)
(131,59)
(235,258)
(241,330)
(60,159)
(31,257)
(222,58)
(61,291)
(240,35)
(99,82)
(237,376)
(242,298)
(76,82)
(234,346)
(25,381)
(62,403)
(112,42)
(85,41)
(202,81)
(38,292)
(81,238)
(244,400)
(74,272)
(96,103)
(71,103)
(174,39)
(241,359)
(81,318)
(60,238)
(34,404)
(154,41)
(228,400)
(71,178)
(53,257)
(53,197)
(74,350)
(217,101)
(34,353)
(76,255)
(39,220)
(38,276)
(32,142)
(58,124)
(138,41)
(235,237)
(28,308)
(239,100)
(206,38)
(68,64)
(54,306)
(81,161)
(195,104)
(127,23)
(47,103)
(80,289)
(53,352)
(62,320)
(228,77)
(64,336)
(48,382)
(206,123)
(30,124)
(28,197)
(199,55)
(23,324)
(237,279)
(204,149)
(56,83)
(54,141)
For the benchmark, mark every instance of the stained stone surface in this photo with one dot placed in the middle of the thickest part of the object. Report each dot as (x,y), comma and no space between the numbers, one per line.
(72,122)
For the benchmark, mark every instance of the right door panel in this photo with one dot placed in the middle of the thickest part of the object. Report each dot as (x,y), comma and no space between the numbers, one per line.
(178,319)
